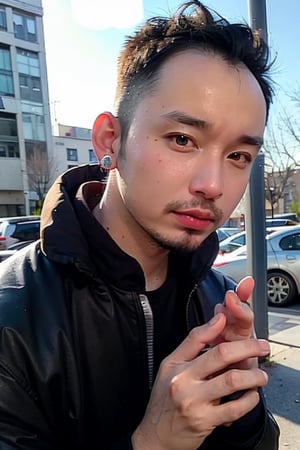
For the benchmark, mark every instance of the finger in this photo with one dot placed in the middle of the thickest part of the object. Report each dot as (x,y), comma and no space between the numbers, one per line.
(238,310)
(225,354)
(245,288)
(230,411)
(219,308)
(233,383)
(197,339)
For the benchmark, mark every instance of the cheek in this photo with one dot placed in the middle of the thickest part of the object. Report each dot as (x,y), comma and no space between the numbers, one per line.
(234,190)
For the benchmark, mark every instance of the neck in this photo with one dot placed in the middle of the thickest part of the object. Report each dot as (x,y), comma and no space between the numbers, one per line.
(131,237)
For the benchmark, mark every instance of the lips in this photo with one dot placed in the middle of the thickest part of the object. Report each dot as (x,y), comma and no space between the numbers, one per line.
(195,219)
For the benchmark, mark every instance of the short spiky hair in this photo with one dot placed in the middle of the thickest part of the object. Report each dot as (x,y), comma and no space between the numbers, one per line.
(195,27)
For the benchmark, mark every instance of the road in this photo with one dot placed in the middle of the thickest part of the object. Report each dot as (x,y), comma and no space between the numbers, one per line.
(283,390)
(282,319)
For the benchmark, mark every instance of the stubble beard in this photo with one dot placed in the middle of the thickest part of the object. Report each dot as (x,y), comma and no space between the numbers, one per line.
(186,244)
(190,239)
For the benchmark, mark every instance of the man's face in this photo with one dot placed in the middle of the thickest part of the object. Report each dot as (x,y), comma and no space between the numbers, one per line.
(190,147)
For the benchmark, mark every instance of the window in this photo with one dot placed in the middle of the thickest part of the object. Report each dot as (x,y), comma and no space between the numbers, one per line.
(9,150)
(6,78)
(9,146)
(291,242)
(29,76)
(24,27)
(72,154)
(92,156)
(27,231)
(2,18)
(33,127)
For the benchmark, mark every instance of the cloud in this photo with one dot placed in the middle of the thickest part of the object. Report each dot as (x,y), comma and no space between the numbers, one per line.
(101,15)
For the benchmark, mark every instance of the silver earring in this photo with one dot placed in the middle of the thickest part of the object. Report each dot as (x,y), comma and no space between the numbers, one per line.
(106,162)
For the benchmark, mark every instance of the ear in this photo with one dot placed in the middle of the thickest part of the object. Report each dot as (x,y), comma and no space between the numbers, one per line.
(106,136)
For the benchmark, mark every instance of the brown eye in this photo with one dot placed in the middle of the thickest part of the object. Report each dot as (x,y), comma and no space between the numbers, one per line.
(242,157)
(182,140)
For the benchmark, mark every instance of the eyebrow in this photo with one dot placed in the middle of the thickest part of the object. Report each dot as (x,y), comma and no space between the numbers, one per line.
(186,119)
(257,141)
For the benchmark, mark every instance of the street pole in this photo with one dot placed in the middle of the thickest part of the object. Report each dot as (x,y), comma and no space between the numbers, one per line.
(255,206)
(272,201)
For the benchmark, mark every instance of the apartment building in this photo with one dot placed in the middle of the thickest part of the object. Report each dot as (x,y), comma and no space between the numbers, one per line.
(25,125)
(72,146)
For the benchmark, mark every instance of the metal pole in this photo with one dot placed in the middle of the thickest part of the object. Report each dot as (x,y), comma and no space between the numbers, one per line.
(272,203)
(255,206)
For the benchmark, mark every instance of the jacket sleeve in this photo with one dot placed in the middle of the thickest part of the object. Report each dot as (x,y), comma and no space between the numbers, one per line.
(270,436)
(263,436)
(266,433)
(22,424)
(27,411)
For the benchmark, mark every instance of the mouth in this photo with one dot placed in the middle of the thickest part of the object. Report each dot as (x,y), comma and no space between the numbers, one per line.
(195,219)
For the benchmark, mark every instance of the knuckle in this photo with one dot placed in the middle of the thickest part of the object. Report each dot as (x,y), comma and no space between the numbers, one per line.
(165,366)
(185,407)
(224,352)
(175,386)
(194,334)
(233,411)
(233,379)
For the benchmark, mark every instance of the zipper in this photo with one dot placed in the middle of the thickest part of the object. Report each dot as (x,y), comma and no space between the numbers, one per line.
(189,300)
(148,315)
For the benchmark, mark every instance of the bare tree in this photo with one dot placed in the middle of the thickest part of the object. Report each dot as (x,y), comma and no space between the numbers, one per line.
(40,171)
(281,159)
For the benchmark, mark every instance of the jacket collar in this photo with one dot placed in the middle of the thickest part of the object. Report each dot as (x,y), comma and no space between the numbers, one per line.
(67,212)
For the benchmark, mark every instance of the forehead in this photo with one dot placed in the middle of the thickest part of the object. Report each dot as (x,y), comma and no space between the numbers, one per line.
(205,84)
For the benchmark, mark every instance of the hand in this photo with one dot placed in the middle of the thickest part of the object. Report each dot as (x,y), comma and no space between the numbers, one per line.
(185,404)
(240,317)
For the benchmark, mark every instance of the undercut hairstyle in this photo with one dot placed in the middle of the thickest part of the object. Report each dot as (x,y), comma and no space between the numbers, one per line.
(192,27)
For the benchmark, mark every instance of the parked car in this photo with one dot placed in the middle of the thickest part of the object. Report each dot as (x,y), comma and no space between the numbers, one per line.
(237,240)
(225,232)
(4,254)
(15,229)
(232,242)
(283,265)
(280,222)
(290,215)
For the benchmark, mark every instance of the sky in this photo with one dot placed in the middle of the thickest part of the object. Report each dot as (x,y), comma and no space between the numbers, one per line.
(83,39)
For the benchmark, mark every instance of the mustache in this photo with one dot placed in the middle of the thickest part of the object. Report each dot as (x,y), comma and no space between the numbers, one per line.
(196,203)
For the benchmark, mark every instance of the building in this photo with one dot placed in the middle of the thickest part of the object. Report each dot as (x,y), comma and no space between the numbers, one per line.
(72,146)
(283,192)
(25,125)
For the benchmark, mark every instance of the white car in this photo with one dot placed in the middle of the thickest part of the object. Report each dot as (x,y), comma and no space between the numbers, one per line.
(237,240)
(283,265)
(17,229)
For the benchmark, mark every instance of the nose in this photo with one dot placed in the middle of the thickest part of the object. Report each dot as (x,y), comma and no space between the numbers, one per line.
(208,181)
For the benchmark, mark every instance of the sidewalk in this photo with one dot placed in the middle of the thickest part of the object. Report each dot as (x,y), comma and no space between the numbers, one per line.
(283,390)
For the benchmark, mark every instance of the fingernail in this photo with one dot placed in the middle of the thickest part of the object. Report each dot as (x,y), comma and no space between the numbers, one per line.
(214,319)
(264,345)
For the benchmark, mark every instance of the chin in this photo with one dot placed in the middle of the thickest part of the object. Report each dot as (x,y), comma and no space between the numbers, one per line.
(184,244)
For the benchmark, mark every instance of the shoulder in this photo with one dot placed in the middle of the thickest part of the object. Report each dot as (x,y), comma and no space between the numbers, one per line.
(28,283)
(215,281)
(211,291)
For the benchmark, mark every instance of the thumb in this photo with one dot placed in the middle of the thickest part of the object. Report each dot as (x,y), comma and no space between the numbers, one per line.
(245,288)
(198,338)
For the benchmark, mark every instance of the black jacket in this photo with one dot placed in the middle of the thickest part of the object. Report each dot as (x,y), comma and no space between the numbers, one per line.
(74,349)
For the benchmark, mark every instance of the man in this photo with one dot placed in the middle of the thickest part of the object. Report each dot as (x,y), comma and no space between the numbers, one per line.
(114,334)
